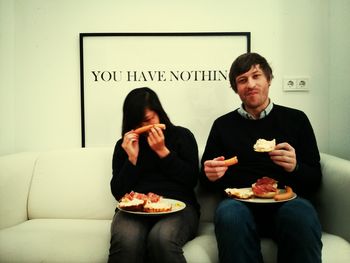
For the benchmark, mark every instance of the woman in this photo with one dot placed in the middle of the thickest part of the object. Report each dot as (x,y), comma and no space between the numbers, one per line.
(161,162)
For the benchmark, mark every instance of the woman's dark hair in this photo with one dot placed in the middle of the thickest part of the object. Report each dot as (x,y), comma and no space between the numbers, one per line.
(135,104)
(244,63)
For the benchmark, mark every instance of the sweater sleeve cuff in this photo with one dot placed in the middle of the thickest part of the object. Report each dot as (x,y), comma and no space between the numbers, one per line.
(296,168)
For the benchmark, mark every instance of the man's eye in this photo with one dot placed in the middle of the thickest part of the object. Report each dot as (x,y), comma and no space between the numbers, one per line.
(256,76)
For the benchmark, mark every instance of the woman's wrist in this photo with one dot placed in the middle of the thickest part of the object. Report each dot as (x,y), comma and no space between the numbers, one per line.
(163,153)
(133,160)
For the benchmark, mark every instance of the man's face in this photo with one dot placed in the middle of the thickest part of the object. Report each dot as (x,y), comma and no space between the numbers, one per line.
(253,89)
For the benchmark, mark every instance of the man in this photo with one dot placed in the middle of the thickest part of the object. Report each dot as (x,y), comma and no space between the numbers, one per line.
(294,162)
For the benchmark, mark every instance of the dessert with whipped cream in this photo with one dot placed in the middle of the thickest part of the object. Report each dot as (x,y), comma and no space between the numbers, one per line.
(263,145)
(132,205)
(158,207)
(149,203)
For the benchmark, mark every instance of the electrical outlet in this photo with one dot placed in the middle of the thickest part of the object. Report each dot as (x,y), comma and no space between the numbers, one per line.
(302,84)
(296,84)
(289,84)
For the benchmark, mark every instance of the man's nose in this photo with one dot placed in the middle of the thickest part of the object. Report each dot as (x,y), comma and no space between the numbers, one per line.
(250,83)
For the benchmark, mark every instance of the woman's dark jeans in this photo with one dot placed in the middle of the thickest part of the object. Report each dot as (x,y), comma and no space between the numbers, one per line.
(156,239)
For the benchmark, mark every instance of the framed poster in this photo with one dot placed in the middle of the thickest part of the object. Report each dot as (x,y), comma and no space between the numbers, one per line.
(188,71)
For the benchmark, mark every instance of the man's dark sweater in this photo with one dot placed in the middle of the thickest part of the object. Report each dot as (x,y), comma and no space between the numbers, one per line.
(233,135)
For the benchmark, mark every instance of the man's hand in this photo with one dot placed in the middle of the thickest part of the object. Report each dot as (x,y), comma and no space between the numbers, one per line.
(215,169)
(284,155)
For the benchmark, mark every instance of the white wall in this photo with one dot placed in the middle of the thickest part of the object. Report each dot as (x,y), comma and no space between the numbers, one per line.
(7,117)
(39,49)
(339,85)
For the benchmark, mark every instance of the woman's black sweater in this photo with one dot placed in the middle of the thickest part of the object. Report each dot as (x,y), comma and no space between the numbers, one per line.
(174,176)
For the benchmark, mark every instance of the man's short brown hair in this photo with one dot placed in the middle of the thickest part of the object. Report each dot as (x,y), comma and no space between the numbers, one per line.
(244,63)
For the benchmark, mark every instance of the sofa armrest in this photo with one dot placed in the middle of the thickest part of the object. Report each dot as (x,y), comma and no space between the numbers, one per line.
(16,172)
(333,201)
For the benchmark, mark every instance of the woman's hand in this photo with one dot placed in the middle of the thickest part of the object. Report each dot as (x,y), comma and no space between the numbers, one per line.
(131,146)
(156,141)
(215,169)
(284,155)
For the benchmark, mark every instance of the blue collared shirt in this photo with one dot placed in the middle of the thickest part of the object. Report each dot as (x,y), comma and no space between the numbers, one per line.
(263,114)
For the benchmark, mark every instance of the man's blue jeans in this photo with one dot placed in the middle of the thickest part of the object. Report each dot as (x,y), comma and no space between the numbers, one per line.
(294,225)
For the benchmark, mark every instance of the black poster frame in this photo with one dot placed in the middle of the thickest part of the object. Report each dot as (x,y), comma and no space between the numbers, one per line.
(83,36)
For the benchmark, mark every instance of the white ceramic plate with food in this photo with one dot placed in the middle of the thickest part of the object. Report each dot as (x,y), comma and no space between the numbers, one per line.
(176,206)
(265,200)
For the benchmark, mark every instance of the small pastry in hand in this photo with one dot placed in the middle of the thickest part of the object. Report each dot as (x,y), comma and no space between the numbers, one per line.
(263,145)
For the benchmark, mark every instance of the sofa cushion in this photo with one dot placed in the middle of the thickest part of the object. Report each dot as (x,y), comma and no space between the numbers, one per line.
(72,184)
(16,172)
(333,204)
(335,249)
(56,240)
(202,249)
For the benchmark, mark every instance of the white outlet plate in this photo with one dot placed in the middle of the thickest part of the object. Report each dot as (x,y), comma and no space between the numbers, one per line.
(289,84)
(303,84)
(296,84)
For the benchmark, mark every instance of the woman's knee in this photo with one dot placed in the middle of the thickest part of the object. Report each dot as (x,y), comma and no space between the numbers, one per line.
(163,233)
(127,235)
(164,243)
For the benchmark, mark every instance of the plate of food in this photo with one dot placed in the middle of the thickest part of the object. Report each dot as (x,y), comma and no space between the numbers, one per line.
(149,204)
(264,190)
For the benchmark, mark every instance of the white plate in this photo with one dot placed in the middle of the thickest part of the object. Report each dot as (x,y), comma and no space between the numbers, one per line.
(176,206)
(265,200)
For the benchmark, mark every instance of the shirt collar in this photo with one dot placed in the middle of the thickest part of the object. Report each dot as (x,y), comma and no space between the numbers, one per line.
(263,114)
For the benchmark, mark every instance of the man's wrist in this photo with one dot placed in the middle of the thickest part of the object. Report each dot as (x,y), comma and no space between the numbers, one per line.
(296,168)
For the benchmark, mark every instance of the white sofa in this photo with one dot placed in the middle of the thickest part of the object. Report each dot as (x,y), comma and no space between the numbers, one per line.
(57,207)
